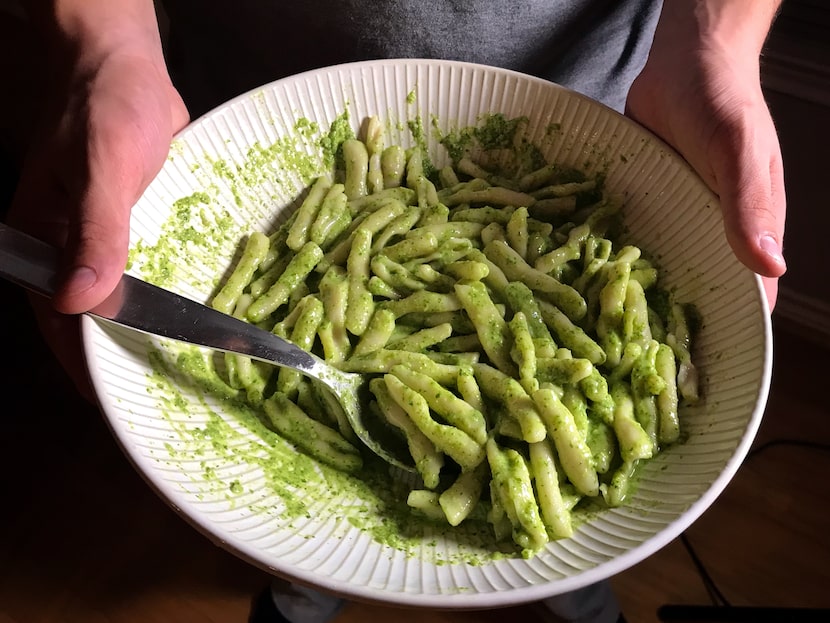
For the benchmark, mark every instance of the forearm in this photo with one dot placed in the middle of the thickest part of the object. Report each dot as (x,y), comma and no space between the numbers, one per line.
(736,26)
(700,90)
(81,31)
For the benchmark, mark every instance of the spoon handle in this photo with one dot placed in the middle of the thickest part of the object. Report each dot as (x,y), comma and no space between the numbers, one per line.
(144,307)
(27,261)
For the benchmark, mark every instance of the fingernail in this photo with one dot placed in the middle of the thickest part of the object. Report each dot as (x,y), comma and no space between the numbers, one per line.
(770,246)
(81,278)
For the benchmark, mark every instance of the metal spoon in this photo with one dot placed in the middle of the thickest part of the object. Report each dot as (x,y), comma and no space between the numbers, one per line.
(144,307)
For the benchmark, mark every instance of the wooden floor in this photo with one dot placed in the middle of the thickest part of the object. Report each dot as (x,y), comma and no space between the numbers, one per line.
(83,539)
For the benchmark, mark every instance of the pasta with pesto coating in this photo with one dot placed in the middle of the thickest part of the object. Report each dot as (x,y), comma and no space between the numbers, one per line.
(529,360)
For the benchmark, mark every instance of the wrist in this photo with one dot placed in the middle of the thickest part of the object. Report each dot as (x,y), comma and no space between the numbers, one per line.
(80,34)
(737,28)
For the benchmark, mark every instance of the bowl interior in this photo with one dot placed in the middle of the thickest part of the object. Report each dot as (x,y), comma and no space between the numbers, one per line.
(243,167)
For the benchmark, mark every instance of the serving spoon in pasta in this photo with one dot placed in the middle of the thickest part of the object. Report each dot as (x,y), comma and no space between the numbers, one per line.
(144,307)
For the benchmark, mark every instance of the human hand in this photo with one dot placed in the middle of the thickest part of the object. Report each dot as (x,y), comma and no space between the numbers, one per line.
(96,149)
(700,91)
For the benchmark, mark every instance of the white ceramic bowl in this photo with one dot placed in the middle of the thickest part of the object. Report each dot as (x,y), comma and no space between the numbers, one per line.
(241,167)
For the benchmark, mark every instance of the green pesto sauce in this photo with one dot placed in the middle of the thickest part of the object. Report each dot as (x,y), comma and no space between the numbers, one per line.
(193,227)
(493,131)
(235,433)
(660,300)
(373,501)
(497,131)
(419,135)
(694,318)
(199,225)
(332,143)
(554,129)
(266,164)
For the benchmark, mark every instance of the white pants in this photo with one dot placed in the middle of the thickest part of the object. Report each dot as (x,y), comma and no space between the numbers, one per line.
(593,604)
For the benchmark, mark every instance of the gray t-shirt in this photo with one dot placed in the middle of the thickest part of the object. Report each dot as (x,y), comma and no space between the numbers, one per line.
(221,49)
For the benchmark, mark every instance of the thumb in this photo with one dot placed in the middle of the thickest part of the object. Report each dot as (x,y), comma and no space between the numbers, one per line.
(96,252)
(125,148)
(749,177)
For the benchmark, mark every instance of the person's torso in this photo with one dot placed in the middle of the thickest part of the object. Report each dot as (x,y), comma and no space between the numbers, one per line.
(221,49)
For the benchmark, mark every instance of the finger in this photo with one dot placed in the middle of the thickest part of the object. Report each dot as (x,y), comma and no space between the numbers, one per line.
(36,188)
(771,290)
(96,250)
(62,333)
(179,114)
(125,149)
(749,175)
